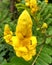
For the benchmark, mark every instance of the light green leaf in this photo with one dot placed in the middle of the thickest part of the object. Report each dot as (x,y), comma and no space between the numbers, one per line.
(48,40)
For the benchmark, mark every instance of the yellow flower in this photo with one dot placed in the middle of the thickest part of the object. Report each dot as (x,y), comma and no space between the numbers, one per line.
(32,4)
(23,42)
(27,3)
(7,34)
(44,25)
(46,1)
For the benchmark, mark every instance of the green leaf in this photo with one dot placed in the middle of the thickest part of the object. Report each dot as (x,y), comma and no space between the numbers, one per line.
(41,62)
(50,30)
(1,59)
(47,50)
(2,53)
(48,40)
(4,62)
(19,61)
(45,57)
(37,63)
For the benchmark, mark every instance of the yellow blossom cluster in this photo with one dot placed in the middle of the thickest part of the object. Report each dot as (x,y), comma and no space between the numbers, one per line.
(32,4)
(23,42)
(7,34)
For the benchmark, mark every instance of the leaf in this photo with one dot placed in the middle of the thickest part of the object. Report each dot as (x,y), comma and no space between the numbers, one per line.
(47,50)
(50,30)
(1,59)
(4,62)
(37,63)
(41,62)
(45,57)
(19,61)
(2,53)
(48,40)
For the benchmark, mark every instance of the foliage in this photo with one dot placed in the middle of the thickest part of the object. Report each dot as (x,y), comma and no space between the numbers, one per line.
(44,46)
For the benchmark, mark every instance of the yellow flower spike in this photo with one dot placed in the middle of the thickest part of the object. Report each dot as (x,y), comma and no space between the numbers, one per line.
(23,43)
(24,26)
(7,34)
(44,25)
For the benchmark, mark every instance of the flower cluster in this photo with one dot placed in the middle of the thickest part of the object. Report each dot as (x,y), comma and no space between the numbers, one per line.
(32,4)
(23,42)
(7,34)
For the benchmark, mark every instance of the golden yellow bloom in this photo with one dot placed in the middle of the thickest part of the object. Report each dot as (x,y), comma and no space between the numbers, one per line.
(46,1)
(32,4)
(24,26)
(7,34)
(44,25)
(23,42)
